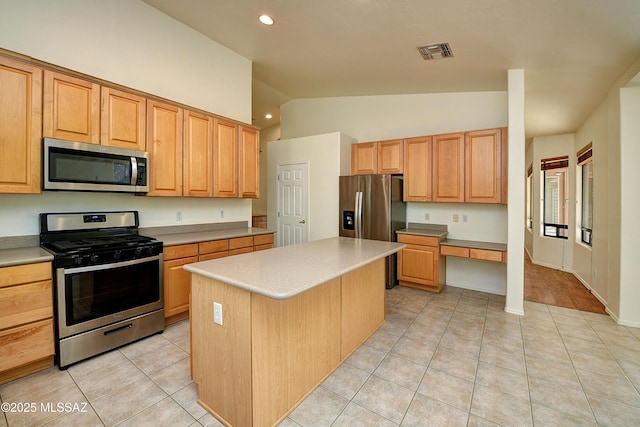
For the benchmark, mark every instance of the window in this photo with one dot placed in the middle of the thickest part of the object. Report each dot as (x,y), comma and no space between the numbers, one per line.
(556,186)
(586,194)
(529,197)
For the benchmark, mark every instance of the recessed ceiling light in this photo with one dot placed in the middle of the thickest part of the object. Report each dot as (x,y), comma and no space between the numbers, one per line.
(266,19)
(268,116)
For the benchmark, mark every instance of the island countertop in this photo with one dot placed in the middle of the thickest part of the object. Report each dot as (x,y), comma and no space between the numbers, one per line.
(284,272)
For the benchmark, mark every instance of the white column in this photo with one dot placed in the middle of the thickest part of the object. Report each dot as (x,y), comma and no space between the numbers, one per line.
(516,195)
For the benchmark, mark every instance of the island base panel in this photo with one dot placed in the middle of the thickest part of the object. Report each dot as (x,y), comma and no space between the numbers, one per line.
(270,354)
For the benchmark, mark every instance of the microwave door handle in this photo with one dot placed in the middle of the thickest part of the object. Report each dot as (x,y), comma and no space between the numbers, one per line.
(134,171)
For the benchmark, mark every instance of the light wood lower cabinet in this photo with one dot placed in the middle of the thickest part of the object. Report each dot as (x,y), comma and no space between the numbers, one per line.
(26,320)
(420,264)
(474,253)
(177,281)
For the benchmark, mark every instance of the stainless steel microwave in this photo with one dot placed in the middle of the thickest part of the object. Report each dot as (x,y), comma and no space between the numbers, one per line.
(89,167)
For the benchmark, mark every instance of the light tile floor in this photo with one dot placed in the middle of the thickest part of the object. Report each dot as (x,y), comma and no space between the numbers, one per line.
(451,359)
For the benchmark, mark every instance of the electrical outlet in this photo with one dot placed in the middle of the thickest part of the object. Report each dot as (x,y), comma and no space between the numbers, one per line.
(217,313)
(178,216)
(465,218)
(221,213)
(427,217)
(456,218)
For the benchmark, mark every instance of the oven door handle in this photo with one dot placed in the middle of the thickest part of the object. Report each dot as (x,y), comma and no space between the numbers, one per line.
(111,265)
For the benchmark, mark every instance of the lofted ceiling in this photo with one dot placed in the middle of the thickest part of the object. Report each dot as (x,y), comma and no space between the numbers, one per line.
(572,50)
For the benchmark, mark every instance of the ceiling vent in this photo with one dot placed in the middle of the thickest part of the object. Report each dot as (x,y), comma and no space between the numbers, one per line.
(436,51)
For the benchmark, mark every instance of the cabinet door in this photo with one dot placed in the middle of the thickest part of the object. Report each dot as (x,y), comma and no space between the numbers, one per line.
(198,155)
(249,146)
(482,166)
(364,158)
(418,264)
(21,127)
(122,120)
(390,157)
(225,159)
(417,170)
(164,130)
(71,108)
(177,286)
(448,168)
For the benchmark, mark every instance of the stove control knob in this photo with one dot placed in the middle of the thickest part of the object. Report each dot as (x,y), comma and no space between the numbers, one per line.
(93,257)
(138,251)
(116,254)
(77,260)
(148,250)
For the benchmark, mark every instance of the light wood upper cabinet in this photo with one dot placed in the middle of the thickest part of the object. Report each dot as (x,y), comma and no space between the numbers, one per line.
(383,157)
(21,127)
(198,155)
(225,159)
(164,131)
(417,169)
(448,168)
(391,157)
(71,108)
(364,158)
(249,153)
(482,166)
(122,120)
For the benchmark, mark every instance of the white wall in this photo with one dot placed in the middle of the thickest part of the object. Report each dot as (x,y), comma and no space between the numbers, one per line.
(328,156)
(590,263)
(132,44)
(550,251)
(372,118)
(19,213)
(272,133)
(630,233)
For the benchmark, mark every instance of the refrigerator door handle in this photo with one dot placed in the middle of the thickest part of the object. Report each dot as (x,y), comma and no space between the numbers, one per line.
(357,214)
(360,217)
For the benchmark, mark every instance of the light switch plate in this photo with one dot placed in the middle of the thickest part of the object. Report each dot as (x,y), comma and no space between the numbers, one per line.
(217,313)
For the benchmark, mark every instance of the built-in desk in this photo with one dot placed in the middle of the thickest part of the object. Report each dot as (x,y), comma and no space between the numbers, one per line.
(485,251)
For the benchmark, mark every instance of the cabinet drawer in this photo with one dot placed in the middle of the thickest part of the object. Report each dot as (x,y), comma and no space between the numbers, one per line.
(213,255)
(240,242)
(454,251)
(214,246)
(240,251)
(25,303)
(25,344)
(180,251)
(18,274)
(485,254)
(418,240)
(263,247)
(263,239)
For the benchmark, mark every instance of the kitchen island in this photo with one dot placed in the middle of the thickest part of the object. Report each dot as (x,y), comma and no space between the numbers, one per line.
(289,316)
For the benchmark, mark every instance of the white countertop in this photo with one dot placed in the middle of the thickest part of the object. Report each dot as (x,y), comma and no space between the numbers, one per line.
(287,271)
(20,256)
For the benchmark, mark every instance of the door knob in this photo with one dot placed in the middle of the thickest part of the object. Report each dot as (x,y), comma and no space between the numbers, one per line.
(302,222)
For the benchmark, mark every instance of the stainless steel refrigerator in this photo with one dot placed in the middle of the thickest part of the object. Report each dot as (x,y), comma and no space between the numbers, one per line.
(371,207)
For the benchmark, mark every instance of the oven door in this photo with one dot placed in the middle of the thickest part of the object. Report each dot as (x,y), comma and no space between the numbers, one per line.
(93,296)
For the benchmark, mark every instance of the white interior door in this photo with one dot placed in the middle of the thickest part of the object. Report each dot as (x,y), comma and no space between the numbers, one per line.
(293,189)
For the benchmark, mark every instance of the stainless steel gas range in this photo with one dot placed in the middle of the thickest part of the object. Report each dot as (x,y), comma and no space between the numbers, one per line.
(107,281)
